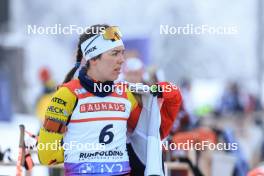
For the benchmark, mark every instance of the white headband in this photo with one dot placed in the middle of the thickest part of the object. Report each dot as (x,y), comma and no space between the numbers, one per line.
(96,45)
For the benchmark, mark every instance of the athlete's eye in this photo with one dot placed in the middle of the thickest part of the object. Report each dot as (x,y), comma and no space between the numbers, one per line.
(114,54)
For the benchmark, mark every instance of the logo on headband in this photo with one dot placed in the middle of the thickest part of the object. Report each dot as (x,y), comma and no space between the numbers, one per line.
(108,39)
(90,50)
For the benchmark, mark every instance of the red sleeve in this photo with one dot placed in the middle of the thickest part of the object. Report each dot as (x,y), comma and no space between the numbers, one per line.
(172,101)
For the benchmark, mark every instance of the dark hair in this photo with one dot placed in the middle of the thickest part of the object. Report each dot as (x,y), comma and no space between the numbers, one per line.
(90,32)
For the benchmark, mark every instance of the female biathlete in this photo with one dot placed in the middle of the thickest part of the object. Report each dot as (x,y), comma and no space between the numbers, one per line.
(81,115)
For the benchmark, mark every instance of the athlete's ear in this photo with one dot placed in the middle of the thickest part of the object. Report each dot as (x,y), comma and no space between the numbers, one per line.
(93,62)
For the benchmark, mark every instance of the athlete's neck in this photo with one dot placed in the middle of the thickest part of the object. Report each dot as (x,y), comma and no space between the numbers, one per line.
(94,76)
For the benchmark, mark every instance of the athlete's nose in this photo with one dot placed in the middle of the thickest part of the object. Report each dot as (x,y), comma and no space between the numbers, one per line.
(121,58)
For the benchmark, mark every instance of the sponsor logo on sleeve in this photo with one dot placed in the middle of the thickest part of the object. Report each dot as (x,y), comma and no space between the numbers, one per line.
(59,101)
(57,110)
(80,91)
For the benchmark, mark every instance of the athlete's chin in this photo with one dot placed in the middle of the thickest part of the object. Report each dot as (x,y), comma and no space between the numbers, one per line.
(114,76)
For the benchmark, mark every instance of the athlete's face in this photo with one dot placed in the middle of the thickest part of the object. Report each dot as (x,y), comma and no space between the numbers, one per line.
(109,65)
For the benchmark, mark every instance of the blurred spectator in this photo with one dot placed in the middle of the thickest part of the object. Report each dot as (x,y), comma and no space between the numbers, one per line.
(133,70)
(231,100)
(186,119)
(48,88)
(252,103)
(47,82)
(259,171)
(153,75)
(186,89)
(5,97)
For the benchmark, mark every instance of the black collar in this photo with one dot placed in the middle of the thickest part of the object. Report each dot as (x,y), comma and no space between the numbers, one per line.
(92,86)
